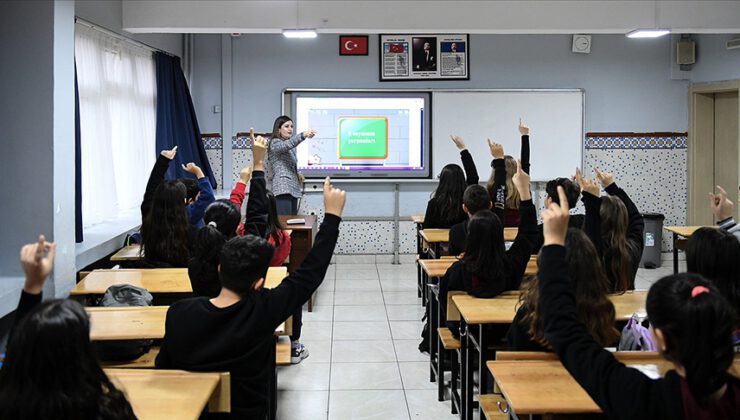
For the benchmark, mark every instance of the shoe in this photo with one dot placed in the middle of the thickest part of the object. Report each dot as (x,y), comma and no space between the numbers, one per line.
(298,353)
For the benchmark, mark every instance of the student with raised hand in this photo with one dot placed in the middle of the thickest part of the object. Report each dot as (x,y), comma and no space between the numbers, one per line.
(691,324)
(475,199)
(50,369)
(615,226)
(511,208)
(724,211)
(444,209)
(715,254)
(573,192)
(234,331)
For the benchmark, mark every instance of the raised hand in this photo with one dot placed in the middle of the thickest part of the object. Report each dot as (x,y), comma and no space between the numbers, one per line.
(497,150)
(251,133)
(721,206)
(301,178)
(334,198)
(555,220)
(605,178)
(245,174)
(586,184)
(193,169)
(309,133)
(169,154)
(259,151)
(523,128)
(37,260)
(459,142)
(521,181)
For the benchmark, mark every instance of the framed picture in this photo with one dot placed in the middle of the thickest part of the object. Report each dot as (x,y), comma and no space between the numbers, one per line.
(353,45)
(424,57)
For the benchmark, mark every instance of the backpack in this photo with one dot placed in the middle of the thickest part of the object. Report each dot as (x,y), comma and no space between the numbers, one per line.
(635,337)
(123,350)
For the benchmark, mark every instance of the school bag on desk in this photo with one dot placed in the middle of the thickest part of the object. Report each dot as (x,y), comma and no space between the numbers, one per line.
(635,337)
(123,295)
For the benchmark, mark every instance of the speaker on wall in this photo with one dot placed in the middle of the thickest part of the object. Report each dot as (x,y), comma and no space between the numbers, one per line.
(685,52)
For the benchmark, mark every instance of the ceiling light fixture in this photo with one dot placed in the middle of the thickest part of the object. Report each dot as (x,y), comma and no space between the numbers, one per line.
(300,33)
(648,33)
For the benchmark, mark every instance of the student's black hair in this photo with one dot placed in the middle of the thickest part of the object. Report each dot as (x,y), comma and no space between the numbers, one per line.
(447,199)
(51,372)
(485,250)
(476,198)
(273,222)
(244,260)
(192,188)
(618,250)
(715,254)
(164,230)
(697,330)
(221,218)
(279,121)
(572,191)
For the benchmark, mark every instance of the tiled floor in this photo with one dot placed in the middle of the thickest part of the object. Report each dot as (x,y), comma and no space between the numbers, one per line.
(362,337)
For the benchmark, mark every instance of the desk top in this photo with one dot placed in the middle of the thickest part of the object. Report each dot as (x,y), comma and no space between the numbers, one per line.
(165,394)
(417,218)
(309,225)
(510,234)
(157,280)
(501,309)
(685,231)
(128,253)
(435,235)
(438,268)
(545,387)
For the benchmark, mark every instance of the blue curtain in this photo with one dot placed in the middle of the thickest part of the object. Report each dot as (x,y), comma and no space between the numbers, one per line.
(78,166)
(177,124)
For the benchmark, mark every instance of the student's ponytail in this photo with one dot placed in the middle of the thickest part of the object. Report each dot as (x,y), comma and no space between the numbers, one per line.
(697,325)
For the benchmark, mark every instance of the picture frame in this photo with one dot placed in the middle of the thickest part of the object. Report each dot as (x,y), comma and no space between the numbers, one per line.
(415,57)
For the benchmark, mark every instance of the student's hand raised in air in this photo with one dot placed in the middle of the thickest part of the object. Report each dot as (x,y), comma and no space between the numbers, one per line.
(334,198)
(193,169)
(523,128)
(245,174)
(309,133)
(259,151)
(605,178)
(37,260)
(169,154)
(721,206)
(555,220)
(521,181)
(459,142)
(497,150)
(587,185)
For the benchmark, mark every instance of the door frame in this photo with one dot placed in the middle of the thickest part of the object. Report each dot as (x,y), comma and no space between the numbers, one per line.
(697,210)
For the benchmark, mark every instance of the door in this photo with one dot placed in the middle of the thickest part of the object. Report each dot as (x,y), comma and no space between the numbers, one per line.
(726,143)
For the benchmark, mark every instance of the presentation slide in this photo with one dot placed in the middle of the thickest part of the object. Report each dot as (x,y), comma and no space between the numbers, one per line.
(361,135)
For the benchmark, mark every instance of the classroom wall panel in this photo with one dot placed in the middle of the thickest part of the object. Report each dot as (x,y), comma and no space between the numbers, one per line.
(714,61)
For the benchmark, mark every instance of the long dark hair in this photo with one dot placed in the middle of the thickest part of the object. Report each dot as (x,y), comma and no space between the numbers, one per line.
(697,330)
(447,199)
(715,254)
(221,218)
(617,256)
(279,121)
(164,231)
(591,287)
(273,222)
(485,251)
(50,369)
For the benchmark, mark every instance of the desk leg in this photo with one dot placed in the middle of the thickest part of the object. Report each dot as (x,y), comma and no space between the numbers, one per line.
(675,253)
(433,349)
(482,370)
(466,412)
(418,255)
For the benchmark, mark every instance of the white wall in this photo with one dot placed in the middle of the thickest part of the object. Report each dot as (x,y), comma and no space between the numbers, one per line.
(714,61)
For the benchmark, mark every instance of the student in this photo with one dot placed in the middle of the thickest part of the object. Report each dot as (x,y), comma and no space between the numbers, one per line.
(50,369)
(222,219)
(511,210)
(573,192)
(475,199)
(691,325)
(285,181)
(197,199)
(444,210)
(724,212)
(234,331)
(276,236)
(590,287)
(715,255)
(615,226)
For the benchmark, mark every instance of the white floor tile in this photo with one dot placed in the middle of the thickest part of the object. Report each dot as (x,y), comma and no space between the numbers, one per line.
(304,377)
(357,285)
(415,375)
(318,330)
(401,298)
(362,330)
(363,351)
(359,313)
(406,330)
(408,351)
(319,351)
(358,298)
(301,405)
(356,376)
(423,404)
(368,405)
(405,312)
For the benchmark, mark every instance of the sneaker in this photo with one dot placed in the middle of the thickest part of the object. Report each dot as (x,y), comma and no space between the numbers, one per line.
(298,353)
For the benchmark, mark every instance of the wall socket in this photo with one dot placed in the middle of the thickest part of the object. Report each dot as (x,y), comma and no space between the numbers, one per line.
(217,109)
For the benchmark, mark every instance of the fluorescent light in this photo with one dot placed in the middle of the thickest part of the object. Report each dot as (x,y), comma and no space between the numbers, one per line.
(299,33)
(648,33)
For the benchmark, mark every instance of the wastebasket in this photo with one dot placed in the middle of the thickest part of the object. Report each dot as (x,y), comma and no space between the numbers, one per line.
(653,237)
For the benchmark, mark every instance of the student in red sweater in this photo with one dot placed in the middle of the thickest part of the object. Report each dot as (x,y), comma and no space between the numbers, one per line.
(691,323)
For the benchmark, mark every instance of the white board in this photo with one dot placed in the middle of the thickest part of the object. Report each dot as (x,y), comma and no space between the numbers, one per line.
(555,118)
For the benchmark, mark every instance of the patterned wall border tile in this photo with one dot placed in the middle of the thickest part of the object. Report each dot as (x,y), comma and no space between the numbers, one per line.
(606,141)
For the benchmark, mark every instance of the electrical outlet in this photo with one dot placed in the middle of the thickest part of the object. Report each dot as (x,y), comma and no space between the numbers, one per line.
(217,109)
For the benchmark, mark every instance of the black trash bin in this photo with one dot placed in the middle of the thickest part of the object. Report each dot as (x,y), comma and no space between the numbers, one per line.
(653,237)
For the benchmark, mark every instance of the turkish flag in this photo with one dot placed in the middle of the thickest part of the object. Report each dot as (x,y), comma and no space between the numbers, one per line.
(353,45)
(396,48)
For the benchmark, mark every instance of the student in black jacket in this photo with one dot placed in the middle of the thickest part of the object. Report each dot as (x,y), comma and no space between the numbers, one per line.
(445,208)
(573,192)
(511,210)
(691,324)
(475,199)
(234,331)
(615,226)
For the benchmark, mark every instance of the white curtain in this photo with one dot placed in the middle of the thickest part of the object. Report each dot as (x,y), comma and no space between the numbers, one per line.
(117,89)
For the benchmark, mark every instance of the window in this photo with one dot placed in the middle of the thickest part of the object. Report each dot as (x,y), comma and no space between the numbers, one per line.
(117,89)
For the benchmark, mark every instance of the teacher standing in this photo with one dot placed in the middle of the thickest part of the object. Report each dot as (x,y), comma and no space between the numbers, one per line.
(283,164)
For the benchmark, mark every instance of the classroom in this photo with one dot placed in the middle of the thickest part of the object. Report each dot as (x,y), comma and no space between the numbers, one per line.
(392,209)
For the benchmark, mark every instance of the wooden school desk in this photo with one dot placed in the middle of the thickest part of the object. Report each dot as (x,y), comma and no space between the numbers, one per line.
(128,253)
(535,387)
(418,221)
(301,242)
(683,232)
(476,314)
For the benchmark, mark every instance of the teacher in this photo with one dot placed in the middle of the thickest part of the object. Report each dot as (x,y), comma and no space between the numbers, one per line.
(283,164)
